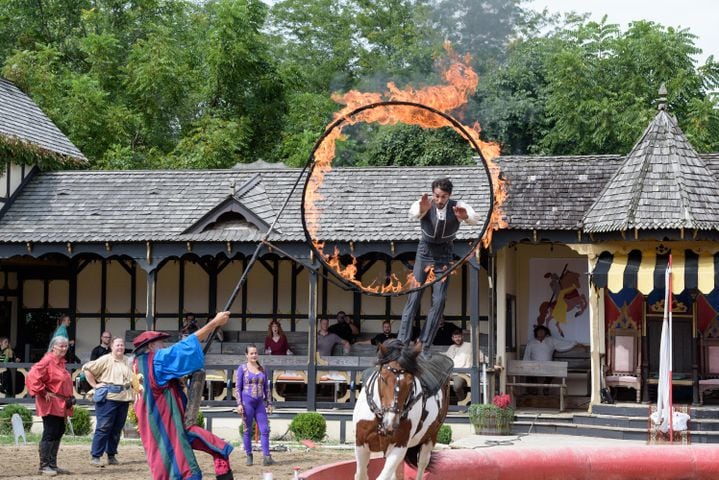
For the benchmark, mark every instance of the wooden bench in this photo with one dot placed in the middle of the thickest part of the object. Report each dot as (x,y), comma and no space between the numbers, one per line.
(527,368)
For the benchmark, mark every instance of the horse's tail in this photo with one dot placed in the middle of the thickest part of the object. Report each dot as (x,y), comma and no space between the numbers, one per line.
(411,458)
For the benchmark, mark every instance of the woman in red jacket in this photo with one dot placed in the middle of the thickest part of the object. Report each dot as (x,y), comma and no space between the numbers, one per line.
(50,383)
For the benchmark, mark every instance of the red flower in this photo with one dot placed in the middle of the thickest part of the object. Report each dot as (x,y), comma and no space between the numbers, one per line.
(502,400)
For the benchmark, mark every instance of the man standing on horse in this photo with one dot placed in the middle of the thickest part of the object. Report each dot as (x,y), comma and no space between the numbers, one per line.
(440,218)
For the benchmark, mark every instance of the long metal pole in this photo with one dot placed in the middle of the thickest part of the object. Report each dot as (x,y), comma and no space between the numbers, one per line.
(197,380)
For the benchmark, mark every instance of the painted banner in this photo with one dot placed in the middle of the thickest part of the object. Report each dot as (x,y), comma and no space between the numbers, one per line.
(558,295)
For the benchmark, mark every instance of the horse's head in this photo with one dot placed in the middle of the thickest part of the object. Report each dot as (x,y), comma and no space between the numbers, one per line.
(395,382)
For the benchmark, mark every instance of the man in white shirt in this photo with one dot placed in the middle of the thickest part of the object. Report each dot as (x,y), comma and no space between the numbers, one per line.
(440,218)
(461,353)
(541,349)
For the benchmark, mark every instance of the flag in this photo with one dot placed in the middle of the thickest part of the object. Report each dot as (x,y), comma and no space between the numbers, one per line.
(663,418)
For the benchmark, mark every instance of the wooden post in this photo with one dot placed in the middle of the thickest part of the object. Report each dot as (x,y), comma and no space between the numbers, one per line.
(150,297)
(312,340)
(474,328)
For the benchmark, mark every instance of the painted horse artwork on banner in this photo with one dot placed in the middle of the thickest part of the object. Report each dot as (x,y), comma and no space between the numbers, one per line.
(397,413)
(566,296)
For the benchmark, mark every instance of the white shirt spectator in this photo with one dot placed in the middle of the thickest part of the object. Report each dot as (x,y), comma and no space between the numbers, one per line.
(462,355)
(544,350)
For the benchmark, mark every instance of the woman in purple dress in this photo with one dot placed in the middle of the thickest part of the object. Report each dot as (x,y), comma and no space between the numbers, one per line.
(254,402)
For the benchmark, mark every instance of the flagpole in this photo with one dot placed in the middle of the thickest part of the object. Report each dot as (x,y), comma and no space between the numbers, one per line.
(671,360)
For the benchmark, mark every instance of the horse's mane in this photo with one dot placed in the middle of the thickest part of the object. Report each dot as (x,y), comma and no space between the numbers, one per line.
(405,355)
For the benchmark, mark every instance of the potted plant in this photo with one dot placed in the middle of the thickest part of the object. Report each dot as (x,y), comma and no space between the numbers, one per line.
(495,418)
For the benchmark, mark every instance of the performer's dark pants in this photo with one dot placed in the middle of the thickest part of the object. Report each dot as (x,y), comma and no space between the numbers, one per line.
(429,255)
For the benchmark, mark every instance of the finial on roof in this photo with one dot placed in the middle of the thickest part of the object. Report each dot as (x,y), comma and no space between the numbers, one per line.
(662,101)
(232,187)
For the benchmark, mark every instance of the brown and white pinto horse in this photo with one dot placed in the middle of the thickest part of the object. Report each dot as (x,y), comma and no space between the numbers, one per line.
(395,416)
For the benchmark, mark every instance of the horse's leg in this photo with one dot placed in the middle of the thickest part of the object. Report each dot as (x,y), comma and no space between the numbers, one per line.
(425,452)
(393,459)
(362,454)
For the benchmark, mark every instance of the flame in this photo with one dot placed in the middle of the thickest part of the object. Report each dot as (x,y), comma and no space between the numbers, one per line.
(460,82)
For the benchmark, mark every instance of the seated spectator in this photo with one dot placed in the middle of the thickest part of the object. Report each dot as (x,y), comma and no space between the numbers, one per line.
(345,328)
(379,339)
(444,332)
(189,325)
(326,340)
(6,356)
(541,349)
(461,354)
(6,352)
(103,348)
(276,340)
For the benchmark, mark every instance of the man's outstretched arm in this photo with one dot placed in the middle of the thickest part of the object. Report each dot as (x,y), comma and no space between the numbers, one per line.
(220,319)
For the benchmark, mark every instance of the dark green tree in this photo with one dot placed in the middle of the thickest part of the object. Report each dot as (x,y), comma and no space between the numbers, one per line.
(602,85)
(589,88)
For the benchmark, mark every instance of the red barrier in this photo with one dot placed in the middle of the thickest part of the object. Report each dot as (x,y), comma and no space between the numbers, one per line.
(636,462)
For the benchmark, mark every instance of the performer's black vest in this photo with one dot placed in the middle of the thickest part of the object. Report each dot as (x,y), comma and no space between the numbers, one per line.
(436,231)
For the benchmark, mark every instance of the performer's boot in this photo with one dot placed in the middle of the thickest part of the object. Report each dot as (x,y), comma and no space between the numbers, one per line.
(222,469)
(44,450)
(248,462)
(54,447)
(267,461)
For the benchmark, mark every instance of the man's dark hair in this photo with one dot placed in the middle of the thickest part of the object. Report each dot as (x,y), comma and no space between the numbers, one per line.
(387,322)
(444,184)
(537,328)
(457,331)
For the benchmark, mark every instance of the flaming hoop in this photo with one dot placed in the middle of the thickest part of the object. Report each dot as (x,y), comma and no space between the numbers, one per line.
(319,164)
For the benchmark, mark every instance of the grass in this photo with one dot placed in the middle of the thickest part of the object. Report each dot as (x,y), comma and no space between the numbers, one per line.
(67,439)
(87,440)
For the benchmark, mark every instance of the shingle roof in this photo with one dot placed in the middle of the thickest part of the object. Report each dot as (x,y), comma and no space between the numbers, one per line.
(20,118)
(552,193)
(662,184)
(360,204)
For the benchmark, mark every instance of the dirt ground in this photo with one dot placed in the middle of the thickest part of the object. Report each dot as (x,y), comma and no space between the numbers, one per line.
(22,462)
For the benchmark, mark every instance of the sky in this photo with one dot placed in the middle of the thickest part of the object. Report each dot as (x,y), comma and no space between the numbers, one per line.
(700,17)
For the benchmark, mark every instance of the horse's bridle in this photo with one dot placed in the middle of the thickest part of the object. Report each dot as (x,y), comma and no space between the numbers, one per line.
(380,411)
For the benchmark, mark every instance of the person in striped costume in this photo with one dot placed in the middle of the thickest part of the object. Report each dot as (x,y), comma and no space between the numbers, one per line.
(160,406)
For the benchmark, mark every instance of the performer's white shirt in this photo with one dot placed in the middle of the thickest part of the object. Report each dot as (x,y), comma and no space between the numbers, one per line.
(543,351)
(473,217)
(462,355)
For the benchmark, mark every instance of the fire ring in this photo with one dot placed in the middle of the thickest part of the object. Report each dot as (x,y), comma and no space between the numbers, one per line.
(312,167)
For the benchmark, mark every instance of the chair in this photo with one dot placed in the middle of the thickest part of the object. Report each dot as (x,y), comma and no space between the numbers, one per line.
(624,368)
(709,379)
